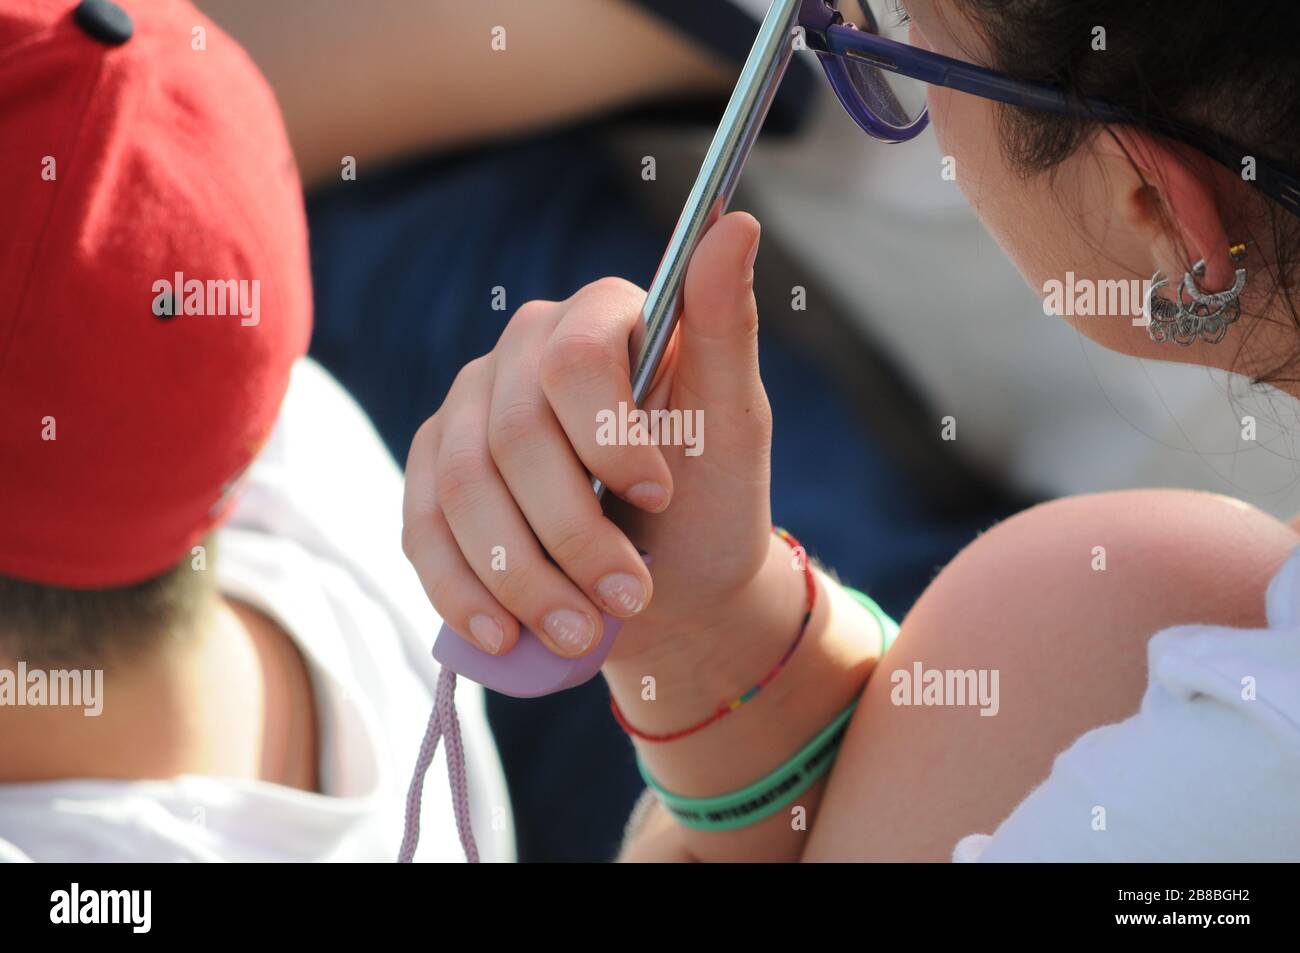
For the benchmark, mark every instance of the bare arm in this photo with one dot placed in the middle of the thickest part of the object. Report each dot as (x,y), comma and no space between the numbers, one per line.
(381,78)
(1068,642)
(824,676)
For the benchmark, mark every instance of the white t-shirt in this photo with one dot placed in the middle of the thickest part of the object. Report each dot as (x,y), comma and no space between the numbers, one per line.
(314,543)
(1207,770)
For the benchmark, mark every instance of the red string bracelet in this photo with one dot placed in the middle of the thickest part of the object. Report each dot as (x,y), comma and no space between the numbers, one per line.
(728,707)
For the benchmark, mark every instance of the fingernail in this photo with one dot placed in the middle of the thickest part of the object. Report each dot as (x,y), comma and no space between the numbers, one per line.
(752,256)
(571,631)
(649,496)
(487,632)
(622,594)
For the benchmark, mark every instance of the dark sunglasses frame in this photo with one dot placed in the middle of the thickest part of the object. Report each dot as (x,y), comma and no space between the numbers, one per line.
(836,42)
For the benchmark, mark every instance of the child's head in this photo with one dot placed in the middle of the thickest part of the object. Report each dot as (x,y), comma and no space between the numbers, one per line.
(154,294)
(1066,195)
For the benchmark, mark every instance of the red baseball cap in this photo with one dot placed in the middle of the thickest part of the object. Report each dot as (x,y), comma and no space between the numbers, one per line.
(154,284)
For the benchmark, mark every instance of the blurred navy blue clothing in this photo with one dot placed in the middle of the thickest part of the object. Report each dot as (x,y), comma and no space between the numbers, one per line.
(405,267)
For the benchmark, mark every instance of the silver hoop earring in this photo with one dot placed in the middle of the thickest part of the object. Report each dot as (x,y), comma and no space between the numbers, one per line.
(1194,314)
(1163,316)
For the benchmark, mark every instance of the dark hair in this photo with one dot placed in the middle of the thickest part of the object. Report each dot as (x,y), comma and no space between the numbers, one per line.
(50,625)
(1231,69)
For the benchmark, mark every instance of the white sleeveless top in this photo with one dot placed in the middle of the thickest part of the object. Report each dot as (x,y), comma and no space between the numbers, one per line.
(1207,770)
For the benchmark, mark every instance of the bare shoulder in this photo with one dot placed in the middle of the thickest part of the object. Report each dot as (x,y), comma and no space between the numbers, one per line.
(1130,562)
(1056,606)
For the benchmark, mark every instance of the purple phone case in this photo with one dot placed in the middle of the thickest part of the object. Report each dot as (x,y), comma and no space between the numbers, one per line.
(530,669)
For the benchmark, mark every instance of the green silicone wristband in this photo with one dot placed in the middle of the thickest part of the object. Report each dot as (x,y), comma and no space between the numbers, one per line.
(763,798)
(888,627)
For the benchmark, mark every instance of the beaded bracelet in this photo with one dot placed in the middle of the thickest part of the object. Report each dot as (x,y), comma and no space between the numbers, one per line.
(764,797)
(728,707)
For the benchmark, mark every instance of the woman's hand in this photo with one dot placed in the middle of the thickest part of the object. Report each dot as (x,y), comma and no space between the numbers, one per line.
(497,479)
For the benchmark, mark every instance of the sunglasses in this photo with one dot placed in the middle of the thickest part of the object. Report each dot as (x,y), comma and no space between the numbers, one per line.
(881,81)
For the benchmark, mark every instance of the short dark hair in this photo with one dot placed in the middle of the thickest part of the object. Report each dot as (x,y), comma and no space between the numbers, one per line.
(52,625)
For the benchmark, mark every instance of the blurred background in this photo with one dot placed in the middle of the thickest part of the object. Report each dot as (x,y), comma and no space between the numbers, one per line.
(452,149)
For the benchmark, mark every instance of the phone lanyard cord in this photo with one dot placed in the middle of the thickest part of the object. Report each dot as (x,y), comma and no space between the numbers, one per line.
(443,723)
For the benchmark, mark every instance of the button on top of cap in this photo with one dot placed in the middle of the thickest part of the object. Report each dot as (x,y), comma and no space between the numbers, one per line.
(104,21)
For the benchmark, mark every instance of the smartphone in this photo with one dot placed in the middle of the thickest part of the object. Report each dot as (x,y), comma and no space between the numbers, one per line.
(530,669)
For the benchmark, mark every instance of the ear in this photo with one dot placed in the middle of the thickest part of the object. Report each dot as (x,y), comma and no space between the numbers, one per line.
(1179,193)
